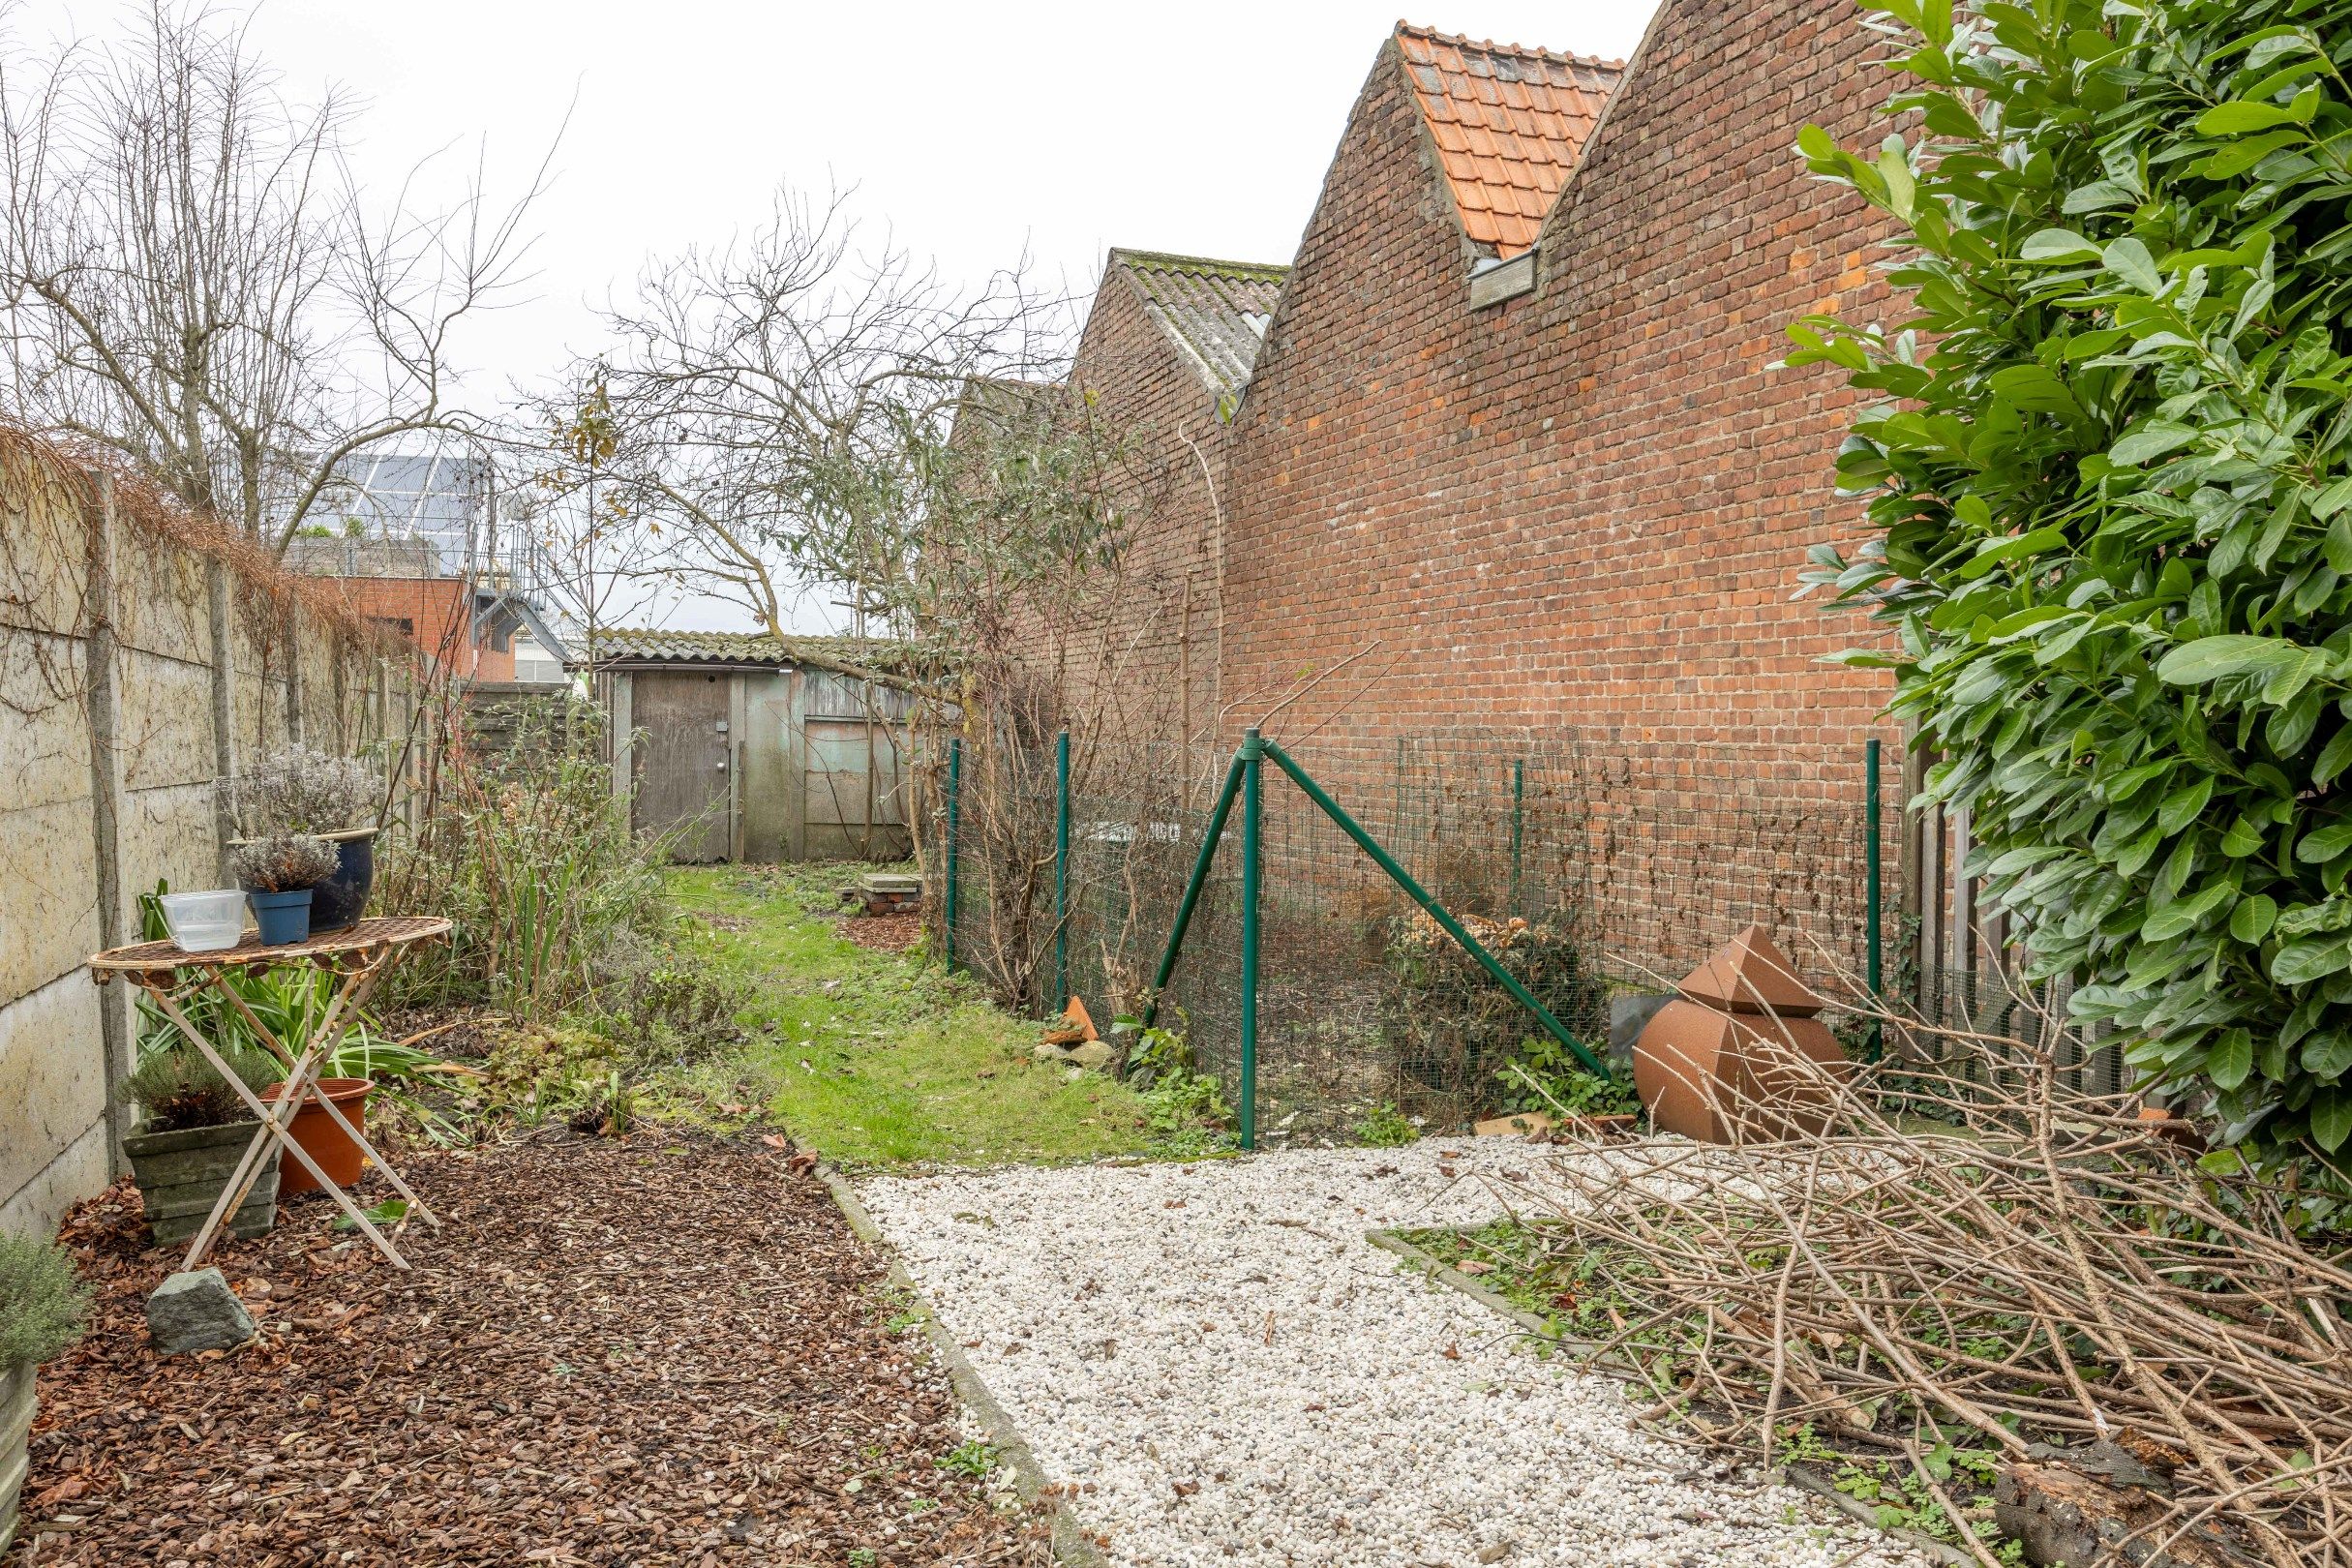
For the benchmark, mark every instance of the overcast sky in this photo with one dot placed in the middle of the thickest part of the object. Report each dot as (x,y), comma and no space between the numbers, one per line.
(973,130)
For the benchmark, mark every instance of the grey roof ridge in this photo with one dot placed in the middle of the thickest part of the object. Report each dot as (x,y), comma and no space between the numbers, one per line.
(1213,266)
(1123,259)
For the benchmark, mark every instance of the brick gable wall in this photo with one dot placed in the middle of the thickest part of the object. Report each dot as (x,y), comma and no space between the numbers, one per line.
(1142,666)
(1586,506)
(1582,513)
(1565,529)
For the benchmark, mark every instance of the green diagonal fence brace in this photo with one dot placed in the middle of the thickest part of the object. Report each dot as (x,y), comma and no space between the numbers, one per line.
(1420,895)
(1216,830)
(1242,778)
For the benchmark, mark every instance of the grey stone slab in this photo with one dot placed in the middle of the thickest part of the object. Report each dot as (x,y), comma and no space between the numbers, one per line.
(196,1311)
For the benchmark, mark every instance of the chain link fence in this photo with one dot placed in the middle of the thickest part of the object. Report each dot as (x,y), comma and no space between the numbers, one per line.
(1592,871)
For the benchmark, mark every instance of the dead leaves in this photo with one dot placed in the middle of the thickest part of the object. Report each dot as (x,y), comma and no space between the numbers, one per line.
(619,1352)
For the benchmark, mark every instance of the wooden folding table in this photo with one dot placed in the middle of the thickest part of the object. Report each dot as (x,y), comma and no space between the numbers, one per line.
(358,956)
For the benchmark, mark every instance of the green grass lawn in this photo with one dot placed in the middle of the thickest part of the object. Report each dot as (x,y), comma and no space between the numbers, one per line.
(879,1059)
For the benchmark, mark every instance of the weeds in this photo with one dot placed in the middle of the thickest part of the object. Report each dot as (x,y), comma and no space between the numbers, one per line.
(975,1457)
(1384,1127)
(42,1304)
(1184,1106)
(1544,1076)
(535,1073)
(1454,1023)
(530,854)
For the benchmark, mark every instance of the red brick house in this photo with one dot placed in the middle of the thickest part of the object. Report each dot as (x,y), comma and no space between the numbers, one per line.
(1515,445)
(1166,357)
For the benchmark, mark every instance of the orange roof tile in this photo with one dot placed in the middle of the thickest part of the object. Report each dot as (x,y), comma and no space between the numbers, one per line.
(1509,123)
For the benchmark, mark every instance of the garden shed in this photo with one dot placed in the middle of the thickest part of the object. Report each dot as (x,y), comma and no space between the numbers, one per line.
(748,753)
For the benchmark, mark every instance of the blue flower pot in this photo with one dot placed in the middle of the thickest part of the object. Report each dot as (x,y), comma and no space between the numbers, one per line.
(284,917)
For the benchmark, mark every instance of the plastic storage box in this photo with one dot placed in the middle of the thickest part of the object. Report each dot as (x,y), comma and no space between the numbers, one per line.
(205,922)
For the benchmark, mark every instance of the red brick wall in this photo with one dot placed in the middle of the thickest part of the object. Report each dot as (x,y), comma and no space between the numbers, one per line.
(1586,507)
(437,616)
(1584,512)
(1142,657)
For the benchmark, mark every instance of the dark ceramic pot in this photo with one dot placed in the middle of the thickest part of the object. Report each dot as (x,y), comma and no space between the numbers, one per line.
(343,897)
(283,917)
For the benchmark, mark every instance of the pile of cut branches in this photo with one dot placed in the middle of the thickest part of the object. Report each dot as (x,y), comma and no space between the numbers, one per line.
(2134,1334)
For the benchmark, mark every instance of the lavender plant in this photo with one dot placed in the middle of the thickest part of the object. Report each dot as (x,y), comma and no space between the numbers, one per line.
(297,790)
(282,863)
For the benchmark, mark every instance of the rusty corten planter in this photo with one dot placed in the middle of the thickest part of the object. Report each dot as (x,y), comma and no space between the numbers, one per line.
(1726,1061)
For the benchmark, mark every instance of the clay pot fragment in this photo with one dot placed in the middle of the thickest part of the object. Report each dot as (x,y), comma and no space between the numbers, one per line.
(1738,1056)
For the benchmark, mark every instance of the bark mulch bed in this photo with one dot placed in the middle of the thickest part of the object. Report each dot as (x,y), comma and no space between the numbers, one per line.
(663,1349)
(890,933)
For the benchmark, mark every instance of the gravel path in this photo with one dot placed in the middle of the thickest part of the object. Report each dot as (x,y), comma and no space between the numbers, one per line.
(1229,1373)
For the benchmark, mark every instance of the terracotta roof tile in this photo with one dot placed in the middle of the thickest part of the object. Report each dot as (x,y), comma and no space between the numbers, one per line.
(1509,123)
(1216,311)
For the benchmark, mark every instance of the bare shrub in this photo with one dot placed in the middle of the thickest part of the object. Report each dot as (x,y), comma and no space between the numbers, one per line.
(2007,1263)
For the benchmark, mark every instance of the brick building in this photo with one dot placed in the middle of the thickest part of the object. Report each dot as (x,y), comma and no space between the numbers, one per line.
(1510,456)
(1545,464)
(421,553)
(1166,357)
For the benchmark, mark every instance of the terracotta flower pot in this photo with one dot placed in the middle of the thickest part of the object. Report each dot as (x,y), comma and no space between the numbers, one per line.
(321,1138)
(1739,1057)
(1728,1078)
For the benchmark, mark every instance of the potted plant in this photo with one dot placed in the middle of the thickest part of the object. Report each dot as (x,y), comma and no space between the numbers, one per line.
(280,875)
(194,1132)
(42,1306)
(336,798)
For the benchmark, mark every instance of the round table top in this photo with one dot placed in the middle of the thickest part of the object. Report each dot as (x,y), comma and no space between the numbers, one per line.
(364,935)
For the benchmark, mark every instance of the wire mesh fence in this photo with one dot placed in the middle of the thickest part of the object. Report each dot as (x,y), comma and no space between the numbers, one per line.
(1589,872)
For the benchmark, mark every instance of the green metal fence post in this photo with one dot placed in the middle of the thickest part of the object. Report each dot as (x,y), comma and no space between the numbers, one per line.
(1216,830)
(1061,869)
(1519,827)
(955,781)
(1253,748)
(1436,912)
(1873,908)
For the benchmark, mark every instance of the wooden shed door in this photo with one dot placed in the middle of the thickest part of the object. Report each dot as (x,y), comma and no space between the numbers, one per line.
(683,759)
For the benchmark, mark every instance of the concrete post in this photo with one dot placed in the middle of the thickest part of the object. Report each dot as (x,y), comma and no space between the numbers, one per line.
(224,701)
(105,716)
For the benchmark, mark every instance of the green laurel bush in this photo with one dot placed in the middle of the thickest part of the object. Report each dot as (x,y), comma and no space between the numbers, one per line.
(2108,467)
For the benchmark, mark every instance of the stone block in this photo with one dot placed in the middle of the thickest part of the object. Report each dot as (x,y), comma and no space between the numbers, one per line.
(196,1311)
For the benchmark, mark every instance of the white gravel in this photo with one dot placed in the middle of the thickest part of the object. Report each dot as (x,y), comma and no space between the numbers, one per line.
(1231,1373)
